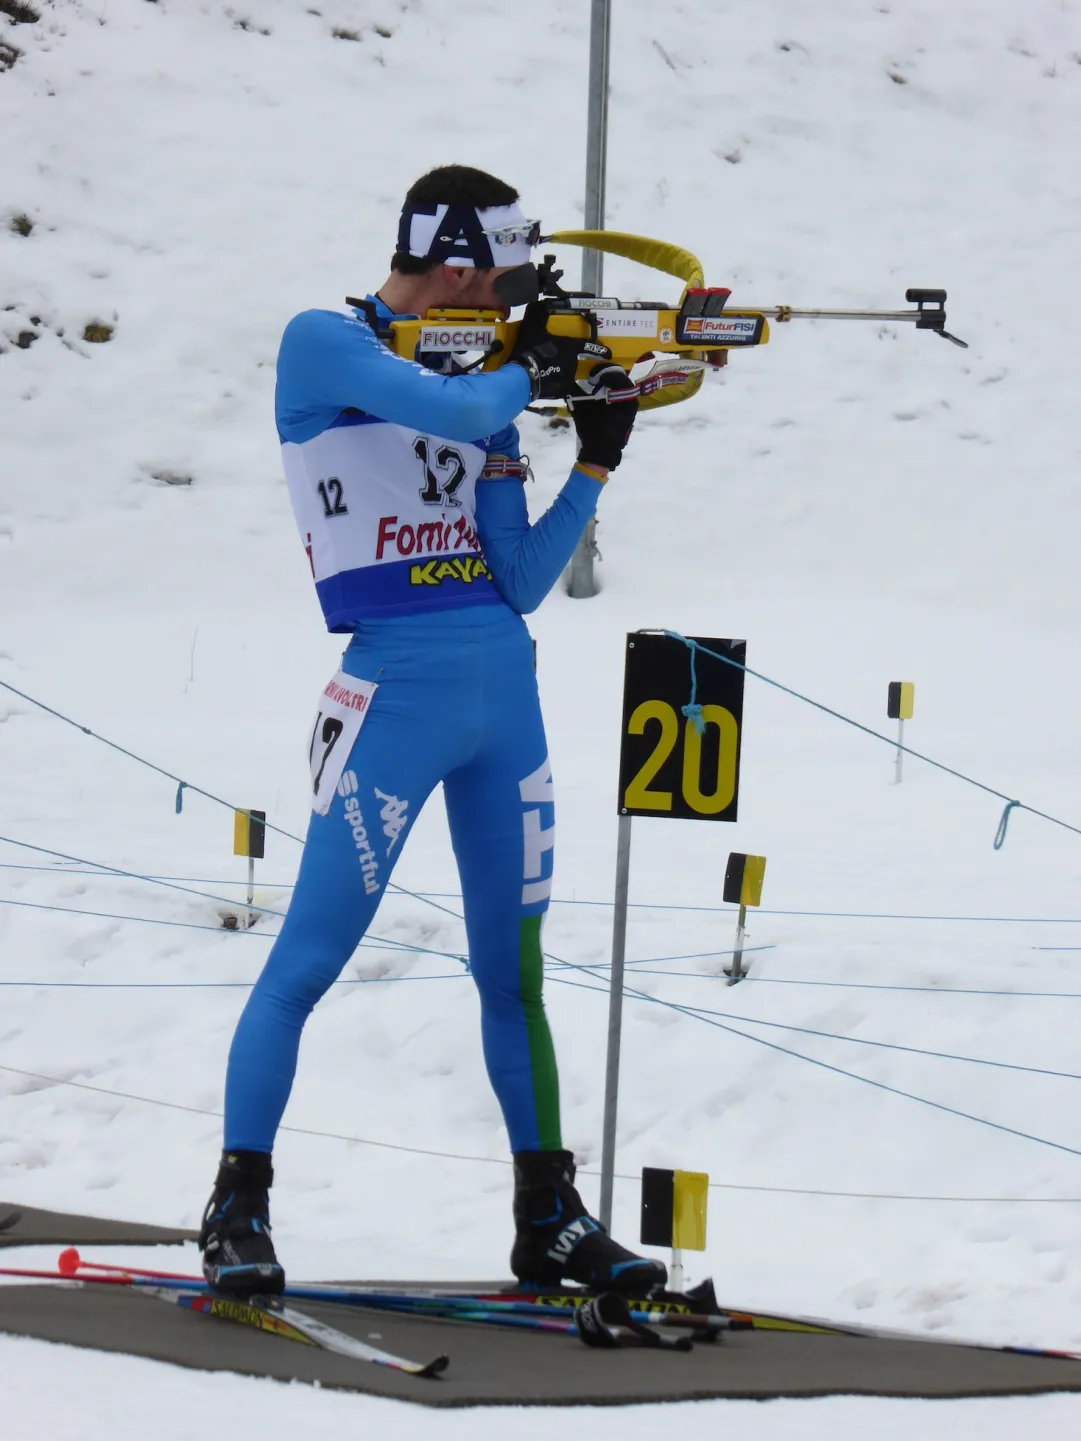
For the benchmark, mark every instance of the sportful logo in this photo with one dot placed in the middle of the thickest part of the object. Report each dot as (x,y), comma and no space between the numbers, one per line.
(369,866)
(393,816)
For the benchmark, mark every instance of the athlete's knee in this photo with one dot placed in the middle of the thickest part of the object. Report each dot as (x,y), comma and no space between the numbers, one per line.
(299,975)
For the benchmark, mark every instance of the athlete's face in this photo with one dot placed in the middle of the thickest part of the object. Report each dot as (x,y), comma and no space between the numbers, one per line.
(473,289)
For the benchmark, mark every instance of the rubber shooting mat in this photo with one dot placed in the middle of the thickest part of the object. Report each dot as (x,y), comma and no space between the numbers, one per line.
(492,1366)
(27,1226)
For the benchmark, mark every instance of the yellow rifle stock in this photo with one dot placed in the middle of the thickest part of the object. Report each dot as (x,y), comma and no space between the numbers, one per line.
(681,339)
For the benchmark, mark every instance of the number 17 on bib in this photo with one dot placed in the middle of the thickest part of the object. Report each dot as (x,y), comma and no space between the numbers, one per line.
(343,707)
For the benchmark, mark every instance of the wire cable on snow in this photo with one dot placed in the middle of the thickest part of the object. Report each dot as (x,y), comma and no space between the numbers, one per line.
(1000,836)
(181,787)
(826,1066)
(607,905)
(582,1170)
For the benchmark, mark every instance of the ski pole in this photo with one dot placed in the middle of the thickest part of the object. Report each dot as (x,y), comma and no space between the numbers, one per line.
(70,1263)
(450,1306)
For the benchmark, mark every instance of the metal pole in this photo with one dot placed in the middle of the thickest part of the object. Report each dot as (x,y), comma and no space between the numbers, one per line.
(600,24)
(900,757)
(251,891)
(735,972)
(615,1018)
(582,584)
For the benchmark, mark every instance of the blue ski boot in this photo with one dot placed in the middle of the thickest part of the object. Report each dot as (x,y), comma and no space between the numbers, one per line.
(556,1239)
(238,1254)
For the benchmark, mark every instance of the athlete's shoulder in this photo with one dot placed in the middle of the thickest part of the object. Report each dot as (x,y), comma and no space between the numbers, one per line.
(314,327)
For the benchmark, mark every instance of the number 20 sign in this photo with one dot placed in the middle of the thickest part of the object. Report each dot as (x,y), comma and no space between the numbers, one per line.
(667,767)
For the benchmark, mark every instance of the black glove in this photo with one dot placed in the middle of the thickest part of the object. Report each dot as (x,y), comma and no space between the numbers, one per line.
(550,361)
(604,424)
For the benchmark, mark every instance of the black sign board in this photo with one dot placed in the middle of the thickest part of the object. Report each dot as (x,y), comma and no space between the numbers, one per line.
(667,766)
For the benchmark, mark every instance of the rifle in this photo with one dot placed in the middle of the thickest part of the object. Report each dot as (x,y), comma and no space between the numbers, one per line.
(683,340)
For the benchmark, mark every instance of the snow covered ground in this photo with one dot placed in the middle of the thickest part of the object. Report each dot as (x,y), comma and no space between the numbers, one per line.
(861,502)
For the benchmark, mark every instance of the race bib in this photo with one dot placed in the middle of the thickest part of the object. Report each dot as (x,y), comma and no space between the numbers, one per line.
(342,708)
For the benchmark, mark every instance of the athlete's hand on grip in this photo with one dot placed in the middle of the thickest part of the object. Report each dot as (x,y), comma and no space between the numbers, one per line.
(550,361)
(604,424)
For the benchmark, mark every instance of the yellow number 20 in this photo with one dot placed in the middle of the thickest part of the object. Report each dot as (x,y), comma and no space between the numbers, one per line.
(638,794)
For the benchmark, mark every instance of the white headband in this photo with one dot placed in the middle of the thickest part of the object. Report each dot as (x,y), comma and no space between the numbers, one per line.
(426,240)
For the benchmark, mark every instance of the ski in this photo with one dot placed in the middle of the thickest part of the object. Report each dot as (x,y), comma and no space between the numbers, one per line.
(11,1219)
(267,1314)
(696,1308)
(262,1312)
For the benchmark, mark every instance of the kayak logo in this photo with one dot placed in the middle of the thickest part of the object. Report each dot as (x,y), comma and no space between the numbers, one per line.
(435,572)
(393,815)
(570,1236)
(369,866)
(347,786)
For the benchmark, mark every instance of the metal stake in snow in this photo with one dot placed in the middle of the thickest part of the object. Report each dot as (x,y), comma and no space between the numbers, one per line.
(899,704)
(582,584)
(249,839)
(743,879)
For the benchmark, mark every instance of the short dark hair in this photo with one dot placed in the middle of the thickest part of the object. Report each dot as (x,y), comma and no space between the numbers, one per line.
(451,185)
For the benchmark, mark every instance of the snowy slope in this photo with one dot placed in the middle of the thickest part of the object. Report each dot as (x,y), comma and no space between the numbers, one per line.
(862,503)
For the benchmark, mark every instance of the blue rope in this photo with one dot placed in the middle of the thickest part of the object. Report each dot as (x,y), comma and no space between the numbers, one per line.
(876,986)
(378,943)
(135,876)
(891,741)
(205,985)
(888,1045)
(692,710)
(836,1070)
(730,910)
(183,785)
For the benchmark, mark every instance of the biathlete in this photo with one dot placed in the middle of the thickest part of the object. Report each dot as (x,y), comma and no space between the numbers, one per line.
(407,487)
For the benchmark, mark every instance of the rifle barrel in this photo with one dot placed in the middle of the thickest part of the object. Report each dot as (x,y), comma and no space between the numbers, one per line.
(787,312)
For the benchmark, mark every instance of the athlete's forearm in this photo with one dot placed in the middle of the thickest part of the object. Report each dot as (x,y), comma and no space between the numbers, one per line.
(331,362)
(526,560)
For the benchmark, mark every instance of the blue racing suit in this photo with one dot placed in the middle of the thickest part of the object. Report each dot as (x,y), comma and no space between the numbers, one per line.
(421,549)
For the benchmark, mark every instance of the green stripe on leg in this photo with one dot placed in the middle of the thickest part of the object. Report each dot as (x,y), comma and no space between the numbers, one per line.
(542,1057)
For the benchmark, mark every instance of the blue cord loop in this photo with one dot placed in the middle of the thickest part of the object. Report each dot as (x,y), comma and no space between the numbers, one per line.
(180,796)
(1004,821)
(692,710)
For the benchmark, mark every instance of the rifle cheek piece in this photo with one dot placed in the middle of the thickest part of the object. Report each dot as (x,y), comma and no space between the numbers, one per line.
(520,286)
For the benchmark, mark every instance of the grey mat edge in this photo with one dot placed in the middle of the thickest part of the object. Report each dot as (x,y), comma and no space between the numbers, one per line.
(22,1225)
(498,1367)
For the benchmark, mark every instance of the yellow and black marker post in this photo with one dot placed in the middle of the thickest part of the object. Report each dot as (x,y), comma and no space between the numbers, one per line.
(674,1214)
(743,879)
(249,839)
(900,701)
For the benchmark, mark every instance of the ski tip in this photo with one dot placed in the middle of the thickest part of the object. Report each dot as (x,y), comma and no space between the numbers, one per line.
(11,1219)
(436,1367)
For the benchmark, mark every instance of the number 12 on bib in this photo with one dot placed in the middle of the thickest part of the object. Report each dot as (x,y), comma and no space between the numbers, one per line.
(342,709)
